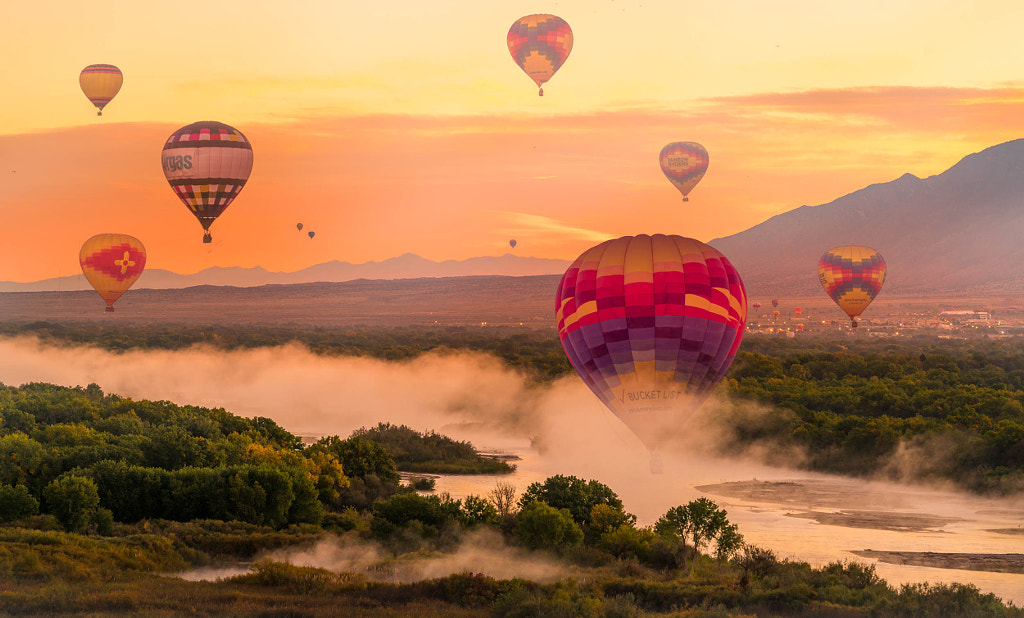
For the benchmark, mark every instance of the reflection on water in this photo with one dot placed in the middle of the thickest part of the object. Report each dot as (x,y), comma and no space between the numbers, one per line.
(811,517)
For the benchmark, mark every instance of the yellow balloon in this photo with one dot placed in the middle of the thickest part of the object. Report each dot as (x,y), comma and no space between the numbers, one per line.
(112,263)
(100,83)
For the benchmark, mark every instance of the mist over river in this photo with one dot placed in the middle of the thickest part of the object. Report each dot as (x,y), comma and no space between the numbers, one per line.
(559,429)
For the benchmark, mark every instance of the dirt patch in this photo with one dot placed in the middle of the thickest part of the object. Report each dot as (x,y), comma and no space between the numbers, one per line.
(997,563)
(1016,531)
(808,493)
(878,520)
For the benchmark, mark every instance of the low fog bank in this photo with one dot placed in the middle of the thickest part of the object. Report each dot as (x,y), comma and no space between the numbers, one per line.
(468,396)
(482,551)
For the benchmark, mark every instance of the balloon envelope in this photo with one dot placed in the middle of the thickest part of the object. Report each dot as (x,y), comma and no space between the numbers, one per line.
(540,44)
(312,234)
(852,276)
(684,164)
(298,226)
(100,83)
(798,310)
(112,263)
(651,324)
(757,305)
(207,164)
(512,243)
(775,302)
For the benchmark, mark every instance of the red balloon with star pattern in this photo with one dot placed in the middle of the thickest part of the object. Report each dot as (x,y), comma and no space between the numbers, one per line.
(112,263)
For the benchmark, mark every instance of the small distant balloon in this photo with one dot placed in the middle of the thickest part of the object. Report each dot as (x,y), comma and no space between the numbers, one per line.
(312,234)
(100,83)
(852,276)
(798,310)
(512,243)
(207,164)
(684,164)
(540,45)
(112,263)
(757,305)
(775,302)
(298,226)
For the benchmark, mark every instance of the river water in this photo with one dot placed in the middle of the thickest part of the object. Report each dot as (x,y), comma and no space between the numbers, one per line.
(780,509)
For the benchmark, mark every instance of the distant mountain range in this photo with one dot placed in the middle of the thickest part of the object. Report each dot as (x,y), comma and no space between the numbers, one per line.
(408,266)
(958,232)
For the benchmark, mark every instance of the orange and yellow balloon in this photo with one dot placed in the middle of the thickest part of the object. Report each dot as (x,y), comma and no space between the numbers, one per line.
(852,276)
(100,83)
(112,263)
(684,164)
(540,44)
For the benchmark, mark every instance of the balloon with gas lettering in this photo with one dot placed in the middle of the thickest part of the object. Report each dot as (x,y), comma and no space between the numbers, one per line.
(298,226)
(207,164)
(684,164)
(312,234)
(512,243)
(100,83)
(112,263)
(852,276)
(651,324)
(540,44)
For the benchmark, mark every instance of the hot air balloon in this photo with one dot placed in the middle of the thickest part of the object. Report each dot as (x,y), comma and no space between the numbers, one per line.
(112,263)
(298,226)
(540,44)
(852,277)
(207,164)
(651,324)
(684,164)
(757,305)
(312,234)
(775,302)
(100,83)
(775,315)
(800,328)
(798,310)
(512,243)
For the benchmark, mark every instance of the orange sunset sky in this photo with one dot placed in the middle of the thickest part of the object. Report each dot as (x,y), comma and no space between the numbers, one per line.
(405,126)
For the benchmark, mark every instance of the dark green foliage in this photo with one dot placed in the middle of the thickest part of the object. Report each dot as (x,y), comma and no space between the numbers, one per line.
(430,452)
(361,458)
(430,514)
(849,412)
(16,503)
(579,497)
(73,500)
(540,526)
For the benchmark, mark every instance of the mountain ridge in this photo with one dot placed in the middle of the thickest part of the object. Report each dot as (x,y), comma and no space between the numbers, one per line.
(405,266)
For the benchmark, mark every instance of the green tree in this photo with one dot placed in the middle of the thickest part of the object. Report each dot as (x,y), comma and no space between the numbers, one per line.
(73,500)
(20,458)
(540,525)
(579,497)
(700,522)
(16,503)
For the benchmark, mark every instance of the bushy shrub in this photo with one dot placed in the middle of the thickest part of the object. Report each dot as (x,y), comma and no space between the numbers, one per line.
(540,525)
(16,503)
(73,500)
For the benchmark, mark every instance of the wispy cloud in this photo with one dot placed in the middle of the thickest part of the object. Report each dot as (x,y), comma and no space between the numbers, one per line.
(540,225)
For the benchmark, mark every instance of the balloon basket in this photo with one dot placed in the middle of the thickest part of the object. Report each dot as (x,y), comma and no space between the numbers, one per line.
(109,308)
(99,113)
(208,238)
(686,199)
(540,92)
(657,467)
